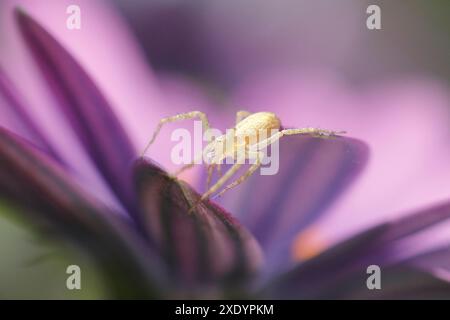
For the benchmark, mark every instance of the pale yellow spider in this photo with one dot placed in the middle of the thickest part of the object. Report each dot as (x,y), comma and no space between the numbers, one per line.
(244,139)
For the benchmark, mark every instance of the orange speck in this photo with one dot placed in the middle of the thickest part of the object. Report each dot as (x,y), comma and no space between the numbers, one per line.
(307,244)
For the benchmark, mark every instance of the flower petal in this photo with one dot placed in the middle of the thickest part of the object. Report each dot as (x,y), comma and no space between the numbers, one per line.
(104,46)
(312,173)
(334,275)
(199,246)
(415,234)
(398,282)
(14,117)
(312,277)
(408,166)
(89,113)
(339,263)
(435,261)
(48,197)
(416,222)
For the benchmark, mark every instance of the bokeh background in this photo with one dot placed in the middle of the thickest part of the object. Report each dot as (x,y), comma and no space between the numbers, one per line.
(221,41)
(217,46)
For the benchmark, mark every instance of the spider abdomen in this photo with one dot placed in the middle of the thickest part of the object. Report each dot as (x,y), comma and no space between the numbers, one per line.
(254,123)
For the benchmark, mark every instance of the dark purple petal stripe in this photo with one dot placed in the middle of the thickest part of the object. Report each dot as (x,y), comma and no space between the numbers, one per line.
(416,222)
(436,259)
(315,276)
(31,180)
(203,245)
(86,109)
(400,281)
(13,114)
(330,270)
(312,174)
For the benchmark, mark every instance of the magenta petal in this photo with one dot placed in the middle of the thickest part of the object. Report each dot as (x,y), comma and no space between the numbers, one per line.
(312,173)
(312,277)
(14,117)
(341,273)
(385,116)
(435,261)
(398,282)
(413,223)
(87,110)
(55,204)
(415,234)
(338,264)
(203,245)
(412,234)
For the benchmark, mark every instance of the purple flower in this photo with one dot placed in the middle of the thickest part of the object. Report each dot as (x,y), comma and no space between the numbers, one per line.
(68,147)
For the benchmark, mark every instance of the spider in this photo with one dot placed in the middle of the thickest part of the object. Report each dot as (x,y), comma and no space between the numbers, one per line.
(245,143)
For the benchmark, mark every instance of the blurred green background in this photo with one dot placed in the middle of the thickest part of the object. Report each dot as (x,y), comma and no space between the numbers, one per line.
(34,268)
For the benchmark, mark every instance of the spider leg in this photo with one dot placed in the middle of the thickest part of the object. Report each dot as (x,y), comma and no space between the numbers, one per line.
(315,132)
(219,169)
(222,180)
(242,178)
(189,165)
(178,117)
(210,172)
(266,142)
(241,115)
